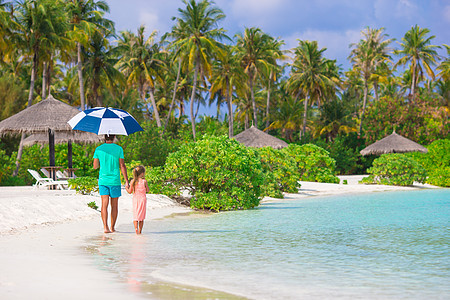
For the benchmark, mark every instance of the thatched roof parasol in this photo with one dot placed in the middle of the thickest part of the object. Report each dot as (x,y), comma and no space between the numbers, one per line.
(393,143)
(253,137)
(75,136)
(47,114)
(46,117)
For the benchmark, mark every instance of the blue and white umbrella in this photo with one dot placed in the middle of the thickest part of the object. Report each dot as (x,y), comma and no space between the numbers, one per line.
(105,120)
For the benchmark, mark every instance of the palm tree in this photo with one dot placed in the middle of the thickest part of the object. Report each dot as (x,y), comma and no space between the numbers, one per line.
(366,56)
(255,52)
(39,25)
(99,66)
(416,50)
(274,71)
(309,75)
(86,16)
(228,76)
(141,63)
(444,67)
(199,42)
(287,116)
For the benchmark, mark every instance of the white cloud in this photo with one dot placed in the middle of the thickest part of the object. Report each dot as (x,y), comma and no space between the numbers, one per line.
(446,13)
(151,22)
(336,42)
(256,7)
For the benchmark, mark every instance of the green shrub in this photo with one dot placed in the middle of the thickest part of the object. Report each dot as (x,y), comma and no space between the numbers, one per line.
(93,205)
(84,185)
(220,173)
(436,162)
(10,180)
(6,167)
(147,146)
(313,163)
(395,169)
(280,173)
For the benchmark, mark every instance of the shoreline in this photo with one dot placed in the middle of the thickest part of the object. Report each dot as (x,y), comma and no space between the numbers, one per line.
(42,234)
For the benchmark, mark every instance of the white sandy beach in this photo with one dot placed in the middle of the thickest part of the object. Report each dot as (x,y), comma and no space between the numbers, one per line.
(42,231)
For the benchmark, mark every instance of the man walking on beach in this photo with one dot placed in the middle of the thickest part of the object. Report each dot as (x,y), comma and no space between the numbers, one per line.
(110,159)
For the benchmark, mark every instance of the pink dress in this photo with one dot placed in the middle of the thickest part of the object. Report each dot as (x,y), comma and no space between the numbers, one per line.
(139,201)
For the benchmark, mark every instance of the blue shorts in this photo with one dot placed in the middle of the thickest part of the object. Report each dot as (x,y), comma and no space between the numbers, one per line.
(114,191)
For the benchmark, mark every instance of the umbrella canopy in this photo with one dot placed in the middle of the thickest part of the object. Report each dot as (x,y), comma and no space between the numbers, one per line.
(40,117)
(253,137)
(393,143)
(105,120)
(64,137)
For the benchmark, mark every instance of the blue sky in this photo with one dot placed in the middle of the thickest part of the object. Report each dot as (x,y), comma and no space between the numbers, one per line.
(333,23)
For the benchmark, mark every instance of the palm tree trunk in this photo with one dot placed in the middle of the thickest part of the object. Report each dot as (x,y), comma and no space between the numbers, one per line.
(49,75)
(80,77)
(375,90)
(268,102)
(194,85)
(155,108)
(230,112)
(173,98)
(364,106)
(305,114)
(44,80)
(413,83)
(30,101)
(252,95)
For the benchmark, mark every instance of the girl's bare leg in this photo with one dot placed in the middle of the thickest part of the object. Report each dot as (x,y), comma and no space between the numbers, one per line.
(136,228)
(141,224)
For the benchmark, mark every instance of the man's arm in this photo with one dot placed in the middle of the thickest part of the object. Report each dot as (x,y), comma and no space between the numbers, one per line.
(123,169)
(96,163)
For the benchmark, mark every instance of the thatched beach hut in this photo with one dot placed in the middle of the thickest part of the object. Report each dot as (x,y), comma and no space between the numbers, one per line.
(393,143)
(253,137)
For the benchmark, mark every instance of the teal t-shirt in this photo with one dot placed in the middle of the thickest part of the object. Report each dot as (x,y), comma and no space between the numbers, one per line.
(108,155)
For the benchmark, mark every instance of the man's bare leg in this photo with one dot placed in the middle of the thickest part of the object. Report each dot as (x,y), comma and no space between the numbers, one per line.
(114,212)
(105,203)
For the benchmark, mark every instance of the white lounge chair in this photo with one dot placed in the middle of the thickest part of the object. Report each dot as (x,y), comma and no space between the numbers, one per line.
(41,181)
(45,172)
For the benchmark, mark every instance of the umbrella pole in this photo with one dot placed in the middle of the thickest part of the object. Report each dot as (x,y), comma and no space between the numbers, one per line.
(69,154)
(51,150)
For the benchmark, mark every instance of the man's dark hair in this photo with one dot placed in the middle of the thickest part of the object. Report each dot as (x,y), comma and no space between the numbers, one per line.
(109,137)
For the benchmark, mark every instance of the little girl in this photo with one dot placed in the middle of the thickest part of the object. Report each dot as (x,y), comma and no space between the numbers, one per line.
(138,187)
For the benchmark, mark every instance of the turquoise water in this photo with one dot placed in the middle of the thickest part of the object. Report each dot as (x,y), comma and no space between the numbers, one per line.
(390,245)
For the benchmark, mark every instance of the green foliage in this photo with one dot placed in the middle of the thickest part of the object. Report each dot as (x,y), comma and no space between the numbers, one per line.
(37,156)
(344,149)
(6,167)
(395,169)
(84,185)
(10,180)
(423,122)
(220,173)
(280,173)
(313,163)
(436,162)
(147,146)
(93,205)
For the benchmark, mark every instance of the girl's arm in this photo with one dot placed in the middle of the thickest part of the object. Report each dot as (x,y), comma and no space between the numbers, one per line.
(146,187)
(129,187)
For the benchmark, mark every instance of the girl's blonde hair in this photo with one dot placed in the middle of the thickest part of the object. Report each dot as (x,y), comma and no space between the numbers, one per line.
(137,172)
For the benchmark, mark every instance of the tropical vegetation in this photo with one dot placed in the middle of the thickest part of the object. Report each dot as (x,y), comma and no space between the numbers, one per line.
(70,49)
